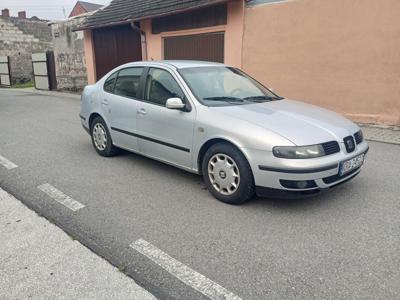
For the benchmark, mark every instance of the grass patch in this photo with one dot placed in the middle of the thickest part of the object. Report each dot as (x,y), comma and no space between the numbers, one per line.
(24,85)
(72,237)
(122,269)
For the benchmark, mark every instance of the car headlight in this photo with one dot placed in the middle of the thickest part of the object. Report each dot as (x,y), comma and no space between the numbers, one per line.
(298,152)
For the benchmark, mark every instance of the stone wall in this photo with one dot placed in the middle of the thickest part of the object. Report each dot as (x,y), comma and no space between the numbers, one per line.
(69,54)
(19,38)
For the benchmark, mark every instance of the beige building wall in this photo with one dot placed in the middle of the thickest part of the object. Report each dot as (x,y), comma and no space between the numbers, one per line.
(233,35)
(340,54)
(89,56)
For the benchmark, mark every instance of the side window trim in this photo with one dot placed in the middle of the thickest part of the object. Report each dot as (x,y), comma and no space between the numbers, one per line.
(116,73)
(144,85)
(140,89)
(143,82)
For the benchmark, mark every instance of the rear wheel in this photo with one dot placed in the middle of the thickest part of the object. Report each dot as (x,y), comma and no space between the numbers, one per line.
(227,174)
(101,138)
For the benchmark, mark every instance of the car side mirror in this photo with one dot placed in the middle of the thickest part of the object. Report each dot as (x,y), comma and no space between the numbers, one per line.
(174,103)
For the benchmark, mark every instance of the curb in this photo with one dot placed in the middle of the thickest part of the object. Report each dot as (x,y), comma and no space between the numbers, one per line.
(45,93)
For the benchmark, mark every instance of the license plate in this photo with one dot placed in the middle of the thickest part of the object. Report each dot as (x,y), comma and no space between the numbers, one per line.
(351,164)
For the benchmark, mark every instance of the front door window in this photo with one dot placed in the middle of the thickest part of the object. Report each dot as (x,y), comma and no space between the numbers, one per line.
(160,86)
(128,82)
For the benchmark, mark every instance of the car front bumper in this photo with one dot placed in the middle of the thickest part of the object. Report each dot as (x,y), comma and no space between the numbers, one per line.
(273,175)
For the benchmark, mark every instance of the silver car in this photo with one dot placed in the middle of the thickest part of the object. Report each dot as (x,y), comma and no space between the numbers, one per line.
(214,120)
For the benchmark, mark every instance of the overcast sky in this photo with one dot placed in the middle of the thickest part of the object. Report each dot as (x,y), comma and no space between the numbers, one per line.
(44,9)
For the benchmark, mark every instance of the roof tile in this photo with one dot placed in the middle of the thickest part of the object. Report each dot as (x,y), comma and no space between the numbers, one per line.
(122,10)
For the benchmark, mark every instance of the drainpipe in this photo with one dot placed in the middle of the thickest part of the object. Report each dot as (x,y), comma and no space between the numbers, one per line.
(144,45)
(142,39)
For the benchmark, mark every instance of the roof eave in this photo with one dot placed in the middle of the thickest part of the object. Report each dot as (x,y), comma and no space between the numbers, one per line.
(127,21)
(110,24)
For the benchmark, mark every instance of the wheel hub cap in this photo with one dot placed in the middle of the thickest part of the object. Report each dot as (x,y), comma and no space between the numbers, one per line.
(99,136)
(223,173)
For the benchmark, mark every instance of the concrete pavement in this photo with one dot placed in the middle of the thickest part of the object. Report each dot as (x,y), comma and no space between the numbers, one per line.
(39,261)
(34,91)
(161,226)
(386,134)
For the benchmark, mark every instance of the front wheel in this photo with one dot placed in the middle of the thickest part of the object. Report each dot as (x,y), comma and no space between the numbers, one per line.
(227,174)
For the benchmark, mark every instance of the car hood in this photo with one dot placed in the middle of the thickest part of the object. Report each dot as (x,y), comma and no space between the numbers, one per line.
(299,122)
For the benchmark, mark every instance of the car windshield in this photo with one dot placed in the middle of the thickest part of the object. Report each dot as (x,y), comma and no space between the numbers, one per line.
(221,86)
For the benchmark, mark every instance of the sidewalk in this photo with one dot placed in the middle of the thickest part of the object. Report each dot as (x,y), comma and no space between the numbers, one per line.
(386,134)
(32,90)
(39,261)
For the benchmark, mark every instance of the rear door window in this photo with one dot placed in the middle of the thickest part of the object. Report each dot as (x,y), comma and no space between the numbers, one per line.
(109,83)
(128,82)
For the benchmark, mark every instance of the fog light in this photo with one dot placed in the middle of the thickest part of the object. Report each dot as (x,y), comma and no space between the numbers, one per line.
(298,185)
(302,184)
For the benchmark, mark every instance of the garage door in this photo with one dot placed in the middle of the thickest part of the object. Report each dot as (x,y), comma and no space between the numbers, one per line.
(209,47)
(115,46)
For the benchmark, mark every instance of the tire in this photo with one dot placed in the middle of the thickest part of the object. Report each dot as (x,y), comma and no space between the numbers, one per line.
(101,138)
(223,167)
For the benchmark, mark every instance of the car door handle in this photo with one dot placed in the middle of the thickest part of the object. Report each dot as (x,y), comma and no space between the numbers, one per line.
(142,111)
(104,102)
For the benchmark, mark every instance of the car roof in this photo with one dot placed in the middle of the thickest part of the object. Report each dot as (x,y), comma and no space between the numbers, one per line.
(178,64)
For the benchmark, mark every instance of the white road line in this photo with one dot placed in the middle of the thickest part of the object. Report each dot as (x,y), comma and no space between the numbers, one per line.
(188,276)
(60,197)
(6,163)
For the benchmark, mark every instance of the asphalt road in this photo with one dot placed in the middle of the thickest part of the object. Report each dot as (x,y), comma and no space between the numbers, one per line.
(339,245)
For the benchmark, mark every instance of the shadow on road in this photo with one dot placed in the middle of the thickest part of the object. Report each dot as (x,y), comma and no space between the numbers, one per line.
(313,202)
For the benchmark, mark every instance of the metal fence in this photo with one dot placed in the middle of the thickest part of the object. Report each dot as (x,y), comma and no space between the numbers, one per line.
(44,71)
(5,78)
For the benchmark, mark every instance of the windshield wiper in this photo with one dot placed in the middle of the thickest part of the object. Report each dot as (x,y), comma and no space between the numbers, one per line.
(225,98)
(262,98)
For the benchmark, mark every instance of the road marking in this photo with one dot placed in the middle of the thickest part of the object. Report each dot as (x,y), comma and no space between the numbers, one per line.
(60,197)
(6,163)
(188,276)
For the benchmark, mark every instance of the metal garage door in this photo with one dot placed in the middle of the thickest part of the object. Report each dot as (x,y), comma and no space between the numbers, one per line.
(208,46)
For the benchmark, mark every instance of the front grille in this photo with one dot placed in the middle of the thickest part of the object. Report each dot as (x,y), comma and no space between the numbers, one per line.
(349,143)
(359,137)
(331,147)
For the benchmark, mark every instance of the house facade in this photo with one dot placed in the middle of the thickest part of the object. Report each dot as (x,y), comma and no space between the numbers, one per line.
(342,55)
(83,7)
